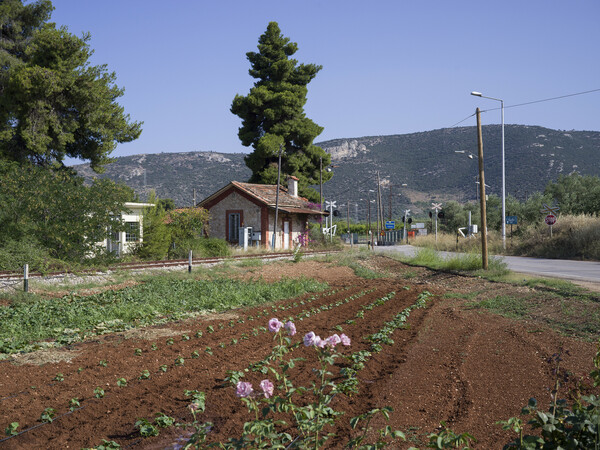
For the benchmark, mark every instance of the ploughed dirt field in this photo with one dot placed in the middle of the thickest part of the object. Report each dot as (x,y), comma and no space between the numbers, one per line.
(454,362)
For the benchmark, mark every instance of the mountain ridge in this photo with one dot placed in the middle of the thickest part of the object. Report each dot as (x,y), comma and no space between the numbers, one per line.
(427,162)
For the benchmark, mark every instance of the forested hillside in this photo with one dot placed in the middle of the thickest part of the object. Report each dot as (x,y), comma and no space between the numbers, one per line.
(426,162)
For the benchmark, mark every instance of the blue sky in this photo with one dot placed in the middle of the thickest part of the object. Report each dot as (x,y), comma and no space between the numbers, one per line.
(389,67)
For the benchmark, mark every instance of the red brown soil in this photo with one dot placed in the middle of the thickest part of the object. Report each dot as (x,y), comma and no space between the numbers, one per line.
(466,367)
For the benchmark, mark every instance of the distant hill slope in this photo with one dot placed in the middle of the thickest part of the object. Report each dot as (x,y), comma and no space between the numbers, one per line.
(174,175)
(425,161)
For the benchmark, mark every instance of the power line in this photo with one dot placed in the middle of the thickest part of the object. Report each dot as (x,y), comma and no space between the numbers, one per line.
(544,100)
(457,123)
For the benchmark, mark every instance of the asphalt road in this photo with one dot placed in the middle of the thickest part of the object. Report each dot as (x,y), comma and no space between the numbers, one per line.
(555,268)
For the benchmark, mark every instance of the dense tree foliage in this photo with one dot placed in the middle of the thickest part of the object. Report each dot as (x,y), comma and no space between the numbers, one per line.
(576,194)
(273,114)
(54,103)
(156,233)
(167,203)
(54,209)
(187,225)
(173,233)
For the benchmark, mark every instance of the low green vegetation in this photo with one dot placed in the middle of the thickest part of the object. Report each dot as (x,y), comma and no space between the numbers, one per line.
(571,421)
(357,262)
(568,309)
(558,304)
(464,262)
(576,234)
(505,305)
(159,299)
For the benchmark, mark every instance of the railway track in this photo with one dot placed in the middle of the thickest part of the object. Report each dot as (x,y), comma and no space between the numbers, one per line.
(16,276)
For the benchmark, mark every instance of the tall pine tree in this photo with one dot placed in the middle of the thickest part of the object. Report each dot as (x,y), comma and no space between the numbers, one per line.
(53,103)
(273,114)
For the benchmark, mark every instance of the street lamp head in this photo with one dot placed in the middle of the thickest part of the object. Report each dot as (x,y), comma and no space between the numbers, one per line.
(470,156)
(476,94)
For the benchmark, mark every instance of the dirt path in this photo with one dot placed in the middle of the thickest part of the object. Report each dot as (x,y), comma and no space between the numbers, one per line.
(456,364)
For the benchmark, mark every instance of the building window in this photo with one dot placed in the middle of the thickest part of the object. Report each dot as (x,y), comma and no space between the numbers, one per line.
(132,231)
(234,227)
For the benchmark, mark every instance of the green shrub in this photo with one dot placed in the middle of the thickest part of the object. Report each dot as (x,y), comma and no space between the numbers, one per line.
(200,247)
(15,254)
(215,247)
(157,234)
(574,426)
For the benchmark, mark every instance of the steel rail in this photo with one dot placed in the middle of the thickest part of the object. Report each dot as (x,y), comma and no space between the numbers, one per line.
(7,275)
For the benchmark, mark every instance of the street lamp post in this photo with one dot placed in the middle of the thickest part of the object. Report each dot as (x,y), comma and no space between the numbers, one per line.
(478,94)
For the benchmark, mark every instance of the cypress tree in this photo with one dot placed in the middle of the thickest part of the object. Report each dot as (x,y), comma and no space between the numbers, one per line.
(273,114)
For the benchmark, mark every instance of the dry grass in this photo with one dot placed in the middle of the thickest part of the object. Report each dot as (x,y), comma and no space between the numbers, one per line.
(573,237)
(450,243)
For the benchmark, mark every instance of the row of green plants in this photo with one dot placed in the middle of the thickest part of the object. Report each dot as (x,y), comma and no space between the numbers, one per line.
(585,409)
(145,427)
(180,360)
(284,347)
(574,425)
(312,420)
(72,318)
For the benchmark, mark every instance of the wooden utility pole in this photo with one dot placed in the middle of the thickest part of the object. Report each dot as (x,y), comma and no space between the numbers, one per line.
(321,190)
(369,213)
(378,205)
(348,217)
(484,249)
(390,205)
(274,240)
(350,235)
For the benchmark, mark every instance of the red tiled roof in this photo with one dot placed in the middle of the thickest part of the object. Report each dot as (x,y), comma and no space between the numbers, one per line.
(267,195)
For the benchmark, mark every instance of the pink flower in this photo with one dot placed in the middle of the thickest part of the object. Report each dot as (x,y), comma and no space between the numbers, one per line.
(290,327)
(275,325)
(244,389)
(267,388)
(310,339)
(320,342)
(345,339)
(332,341)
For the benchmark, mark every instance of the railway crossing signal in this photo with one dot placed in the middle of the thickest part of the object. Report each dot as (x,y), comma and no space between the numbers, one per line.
(436,207)
(553,210)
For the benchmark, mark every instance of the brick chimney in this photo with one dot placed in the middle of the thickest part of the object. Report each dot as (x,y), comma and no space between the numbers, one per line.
(293,186)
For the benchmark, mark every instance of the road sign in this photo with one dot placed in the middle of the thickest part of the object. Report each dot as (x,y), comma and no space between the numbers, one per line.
(511,220)
(550,210)
(390,225)
(550,219)
(436,206)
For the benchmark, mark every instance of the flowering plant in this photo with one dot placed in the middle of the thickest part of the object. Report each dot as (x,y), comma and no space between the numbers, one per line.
(311,419)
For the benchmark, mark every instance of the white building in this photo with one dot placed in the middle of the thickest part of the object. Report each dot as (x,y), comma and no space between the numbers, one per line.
(122,242)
